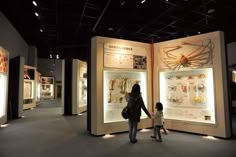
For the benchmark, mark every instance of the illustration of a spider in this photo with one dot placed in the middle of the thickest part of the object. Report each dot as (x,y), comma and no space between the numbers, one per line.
(199,55)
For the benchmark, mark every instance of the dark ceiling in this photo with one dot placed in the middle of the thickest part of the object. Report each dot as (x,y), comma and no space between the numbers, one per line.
(68,25)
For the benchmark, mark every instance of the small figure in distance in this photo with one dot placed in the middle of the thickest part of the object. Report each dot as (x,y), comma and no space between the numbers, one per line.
(158,122)
(135,104)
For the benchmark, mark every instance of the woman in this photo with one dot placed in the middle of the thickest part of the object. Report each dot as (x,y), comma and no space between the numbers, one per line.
(135,103)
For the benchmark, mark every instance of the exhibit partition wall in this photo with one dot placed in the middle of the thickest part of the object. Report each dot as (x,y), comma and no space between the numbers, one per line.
(16,87)
(79,86)
(29,87)
(116,65)
(4,64)
(47,87)
(191,82)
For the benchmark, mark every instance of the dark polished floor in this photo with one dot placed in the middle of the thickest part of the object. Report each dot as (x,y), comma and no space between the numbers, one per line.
(43,132)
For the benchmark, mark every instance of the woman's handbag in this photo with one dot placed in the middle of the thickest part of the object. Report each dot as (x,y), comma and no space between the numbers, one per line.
(125,112)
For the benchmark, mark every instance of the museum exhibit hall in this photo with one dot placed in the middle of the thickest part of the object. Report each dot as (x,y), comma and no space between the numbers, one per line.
(69,68)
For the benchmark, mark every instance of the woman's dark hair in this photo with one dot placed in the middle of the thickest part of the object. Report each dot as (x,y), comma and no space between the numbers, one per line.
(136,89)
(159,106)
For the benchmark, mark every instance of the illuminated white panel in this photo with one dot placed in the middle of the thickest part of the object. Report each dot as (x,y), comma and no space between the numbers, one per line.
(188,95)
(3,91)
(117,85)
(234,76)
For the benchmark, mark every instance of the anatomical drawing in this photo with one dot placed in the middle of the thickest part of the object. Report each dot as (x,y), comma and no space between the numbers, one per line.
(186,89)
(187,54)
(119,89)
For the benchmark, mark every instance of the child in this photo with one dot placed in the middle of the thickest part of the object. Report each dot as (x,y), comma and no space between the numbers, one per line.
(158,122)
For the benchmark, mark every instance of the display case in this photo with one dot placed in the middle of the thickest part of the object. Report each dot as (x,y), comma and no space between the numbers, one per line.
(188,95)
(117,84)
(82,87)
(29,94)
(47,87)
(4,64)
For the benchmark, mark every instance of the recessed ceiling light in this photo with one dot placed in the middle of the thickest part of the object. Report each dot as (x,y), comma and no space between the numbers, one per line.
(41,30)
(111,29)
(34,3)
(199,32)
(36,14)
(143,1)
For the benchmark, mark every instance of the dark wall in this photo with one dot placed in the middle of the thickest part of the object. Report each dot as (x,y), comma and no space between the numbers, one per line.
(11,40)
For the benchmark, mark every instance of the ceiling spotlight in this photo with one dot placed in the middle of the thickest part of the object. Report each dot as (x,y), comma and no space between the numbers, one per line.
(41,30)
(210,11)
(199,32)
(110,29)
(36,14)
(34,3)
(122,2)
(143,1)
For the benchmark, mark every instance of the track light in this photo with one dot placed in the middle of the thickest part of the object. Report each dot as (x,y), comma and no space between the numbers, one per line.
(143,1)
(34,3)
(122,2)
(36,14)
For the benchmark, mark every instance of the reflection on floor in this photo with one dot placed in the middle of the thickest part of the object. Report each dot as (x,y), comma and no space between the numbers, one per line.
(43,132)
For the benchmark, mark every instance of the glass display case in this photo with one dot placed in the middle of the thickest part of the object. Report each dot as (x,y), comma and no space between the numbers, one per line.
(117,85)
(188,95)
(47,87)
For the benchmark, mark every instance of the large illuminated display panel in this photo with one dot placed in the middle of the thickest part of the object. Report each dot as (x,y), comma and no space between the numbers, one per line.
(188,95)
(4,64)
(191,82)
(116,65)
(117,85)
